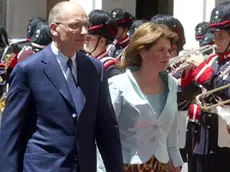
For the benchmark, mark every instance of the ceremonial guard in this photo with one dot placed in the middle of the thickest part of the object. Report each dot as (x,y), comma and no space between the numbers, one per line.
(211,145)
(124,21)
(102,32)
(3,83)
(40,39)
(134,26)
(183,104)
(4,43)
(203,34)
(175,25)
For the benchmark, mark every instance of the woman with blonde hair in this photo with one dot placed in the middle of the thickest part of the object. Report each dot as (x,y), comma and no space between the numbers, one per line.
(145,102)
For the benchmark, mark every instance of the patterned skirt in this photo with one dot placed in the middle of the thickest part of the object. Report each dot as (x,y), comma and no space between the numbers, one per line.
(152,165)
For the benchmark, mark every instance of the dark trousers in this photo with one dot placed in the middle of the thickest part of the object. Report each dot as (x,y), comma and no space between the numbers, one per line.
(190,144)
(218,162)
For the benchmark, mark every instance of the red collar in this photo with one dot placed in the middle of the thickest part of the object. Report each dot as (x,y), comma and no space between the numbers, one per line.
(101,55)
(225,56)
(28,39)
(124,40)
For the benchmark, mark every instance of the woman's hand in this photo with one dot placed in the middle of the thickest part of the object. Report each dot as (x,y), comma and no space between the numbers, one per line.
(174,169)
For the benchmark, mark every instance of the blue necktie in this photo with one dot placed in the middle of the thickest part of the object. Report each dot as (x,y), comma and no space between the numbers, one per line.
(72,83)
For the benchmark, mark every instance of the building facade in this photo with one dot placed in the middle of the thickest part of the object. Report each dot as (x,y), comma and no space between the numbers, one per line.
(14,14)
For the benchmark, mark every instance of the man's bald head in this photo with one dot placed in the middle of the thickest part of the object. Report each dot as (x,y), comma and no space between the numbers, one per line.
(62,9)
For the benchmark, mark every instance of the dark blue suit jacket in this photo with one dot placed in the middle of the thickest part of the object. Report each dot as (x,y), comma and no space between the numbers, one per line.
(41,129)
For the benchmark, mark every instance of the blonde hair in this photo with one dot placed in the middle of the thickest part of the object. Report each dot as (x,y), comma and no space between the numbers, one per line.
(144,38)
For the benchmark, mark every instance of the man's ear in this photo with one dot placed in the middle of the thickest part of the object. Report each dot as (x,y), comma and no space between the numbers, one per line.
(53,29)
(103,41)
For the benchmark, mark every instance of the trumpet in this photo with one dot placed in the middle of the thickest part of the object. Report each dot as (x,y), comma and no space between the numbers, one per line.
(179,63)
(210,107)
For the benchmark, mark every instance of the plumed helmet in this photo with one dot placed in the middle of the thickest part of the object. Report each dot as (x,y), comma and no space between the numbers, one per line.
(135,25)
(207,39)
(33,22)
(42,36)
(122,17)
(174,24)
(201,29)
(3,37)
(102,24)
(220,17)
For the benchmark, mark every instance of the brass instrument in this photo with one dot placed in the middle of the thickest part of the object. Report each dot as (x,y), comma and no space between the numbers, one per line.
(14,47)
(210,107)
(2,103)
(179,63)
(7,56)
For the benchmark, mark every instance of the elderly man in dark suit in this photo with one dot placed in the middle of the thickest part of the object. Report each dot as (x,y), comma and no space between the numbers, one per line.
(59,105)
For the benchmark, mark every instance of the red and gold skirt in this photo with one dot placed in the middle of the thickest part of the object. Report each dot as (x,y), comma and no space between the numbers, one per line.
(152,165)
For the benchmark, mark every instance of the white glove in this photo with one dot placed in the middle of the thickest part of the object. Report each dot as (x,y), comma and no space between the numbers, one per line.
(24,53)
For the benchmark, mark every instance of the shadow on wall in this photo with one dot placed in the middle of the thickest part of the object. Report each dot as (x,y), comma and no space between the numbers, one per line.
(145,9)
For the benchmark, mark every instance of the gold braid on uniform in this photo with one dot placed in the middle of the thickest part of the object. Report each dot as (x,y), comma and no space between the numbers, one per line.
(2,103)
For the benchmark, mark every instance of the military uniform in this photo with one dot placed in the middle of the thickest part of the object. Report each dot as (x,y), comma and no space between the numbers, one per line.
(118,49)
(124,20)
(209,155)
(111,68)
(3,86)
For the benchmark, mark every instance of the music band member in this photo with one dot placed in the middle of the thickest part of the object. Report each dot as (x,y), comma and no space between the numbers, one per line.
(102,33)
(211,153)
(124,21)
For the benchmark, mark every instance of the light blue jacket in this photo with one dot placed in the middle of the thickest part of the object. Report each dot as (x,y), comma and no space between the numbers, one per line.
(142,133)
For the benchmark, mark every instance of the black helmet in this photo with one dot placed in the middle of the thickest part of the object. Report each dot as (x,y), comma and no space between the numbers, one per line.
(41,37)
(33,22)
(135,25)
(174,24)
(3,37)
(122,17)
(207,39)
(201,29)
(220,17)
(102,24)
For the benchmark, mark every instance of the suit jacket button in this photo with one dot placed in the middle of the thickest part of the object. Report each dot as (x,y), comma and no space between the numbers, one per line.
(75,159)
(74,115)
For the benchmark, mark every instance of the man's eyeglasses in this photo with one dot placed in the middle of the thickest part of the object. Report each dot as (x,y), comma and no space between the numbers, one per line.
(75,25)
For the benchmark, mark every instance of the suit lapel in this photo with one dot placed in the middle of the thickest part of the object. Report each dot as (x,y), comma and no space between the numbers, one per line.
(137,96)
(82,81)
(55,75)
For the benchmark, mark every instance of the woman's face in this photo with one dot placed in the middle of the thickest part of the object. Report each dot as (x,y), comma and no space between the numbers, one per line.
(158,55)
(221,40)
